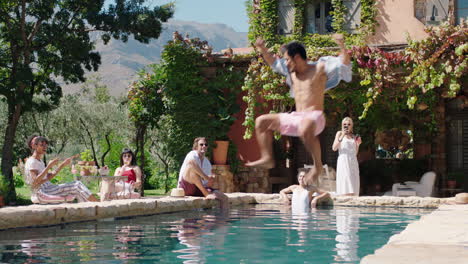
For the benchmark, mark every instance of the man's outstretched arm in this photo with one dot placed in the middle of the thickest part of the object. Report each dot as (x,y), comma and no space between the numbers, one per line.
(339,40)
(267,56)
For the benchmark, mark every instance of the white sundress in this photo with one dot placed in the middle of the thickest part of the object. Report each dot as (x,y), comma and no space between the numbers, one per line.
(347,171)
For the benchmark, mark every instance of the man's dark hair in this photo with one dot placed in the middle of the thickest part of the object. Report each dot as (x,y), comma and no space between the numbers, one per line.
(294,48)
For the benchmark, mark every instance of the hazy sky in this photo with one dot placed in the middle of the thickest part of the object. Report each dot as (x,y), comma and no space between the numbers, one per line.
(229,12)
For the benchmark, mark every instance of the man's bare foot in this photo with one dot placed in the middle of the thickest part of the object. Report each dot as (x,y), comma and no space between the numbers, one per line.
(262,163)
(312,176)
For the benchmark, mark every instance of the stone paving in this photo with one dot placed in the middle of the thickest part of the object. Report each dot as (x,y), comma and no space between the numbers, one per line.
(439,237)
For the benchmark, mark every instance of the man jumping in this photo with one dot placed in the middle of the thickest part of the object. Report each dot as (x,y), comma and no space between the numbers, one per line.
(308,83)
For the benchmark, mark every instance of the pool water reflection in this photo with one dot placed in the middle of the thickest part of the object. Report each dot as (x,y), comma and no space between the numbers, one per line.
(254,234)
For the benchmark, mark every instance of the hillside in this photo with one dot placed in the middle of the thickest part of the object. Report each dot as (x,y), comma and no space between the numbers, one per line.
(121,61)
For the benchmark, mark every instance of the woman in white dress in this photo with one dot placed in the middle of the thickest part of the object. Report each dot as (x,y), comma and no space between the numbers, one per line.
(347,172)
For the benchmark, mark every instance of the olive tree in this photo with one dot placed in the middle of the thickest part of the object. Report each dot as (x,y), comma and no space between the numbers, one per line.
(41,40)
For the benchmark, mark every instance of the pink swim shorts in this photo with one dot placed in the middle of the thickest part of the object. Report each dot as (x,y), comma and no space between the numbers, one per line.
(291,122)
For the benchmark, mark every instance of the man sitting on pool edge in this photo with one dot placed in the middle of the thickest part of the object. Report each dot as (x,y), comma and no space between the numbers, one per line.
(195,175)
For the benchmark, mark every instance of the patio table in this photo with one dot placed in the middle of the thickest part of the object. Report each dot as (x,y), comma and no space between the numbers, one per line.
(106,185)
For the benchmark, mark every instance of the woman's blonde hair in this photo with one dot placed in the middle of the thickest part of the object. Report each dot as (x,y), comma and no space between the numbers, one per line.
(350,120)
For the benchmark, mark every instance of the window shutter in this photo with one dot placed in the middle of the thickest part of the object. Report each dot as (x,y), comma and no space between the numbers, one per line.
(286,17)
(353,15)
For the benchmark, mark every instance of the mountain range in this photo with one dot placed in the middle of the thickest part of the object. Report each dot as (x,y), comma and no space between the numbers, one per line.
(122,60)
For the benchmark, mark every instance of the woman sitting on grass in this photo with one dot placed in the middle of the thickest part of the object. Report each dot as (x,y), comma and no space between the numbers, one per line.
(38,176)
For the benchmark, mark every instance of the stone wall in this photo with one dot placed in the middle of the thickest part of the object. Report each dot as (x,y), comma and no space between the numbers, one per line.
(224,178)
(252,180)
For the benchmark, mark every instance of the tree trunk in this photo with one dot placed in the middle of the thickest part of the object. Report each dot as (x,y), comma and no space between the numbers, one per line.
(91,140)
(140,147)
(166,184)
(14,115)
(107,150)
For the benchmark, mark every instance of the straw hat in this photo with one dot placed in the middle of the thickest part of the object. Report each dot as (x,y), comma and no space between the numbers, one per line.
(177,192)
(461,198)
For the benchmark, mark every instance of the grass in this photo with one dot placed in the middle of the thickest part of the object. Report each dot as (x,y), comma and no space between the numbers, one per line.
(155,192)
(25,193)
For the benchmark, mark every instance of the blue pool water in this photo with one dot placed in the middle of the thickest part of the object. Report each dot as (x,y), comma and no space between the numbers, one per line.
(254,234)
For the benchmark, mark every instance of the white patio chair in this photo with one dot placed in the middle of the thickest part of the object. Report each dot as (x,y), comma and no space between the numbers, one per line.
(423,188)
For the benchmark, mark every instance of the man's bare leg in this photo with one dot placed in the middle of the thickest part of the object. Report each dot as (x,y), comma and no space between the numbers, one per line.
(223,199)
(191,177)
(312,144)
(264,127)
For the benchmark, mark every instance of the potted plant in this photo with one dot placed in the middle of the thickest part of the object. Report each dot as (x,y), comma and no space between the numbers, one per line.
(226,87)
(86,165)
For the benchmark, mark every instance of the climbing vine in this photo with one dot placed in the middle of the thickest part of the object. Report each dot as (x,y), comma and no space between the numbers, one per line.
(299,15)
(419,75)
(368,17)
(339,14)
(266,90)
(439,61)
(263,17)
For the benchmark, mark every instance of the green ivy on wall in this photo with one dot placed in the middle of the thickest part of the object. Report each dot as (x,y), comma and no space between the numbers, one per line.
(368,17)
(263,15)
(299,18)
(339,14)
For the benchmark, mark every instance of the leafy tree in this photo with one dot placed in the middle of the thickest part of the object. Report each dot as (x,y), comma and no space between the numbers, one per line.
(145,108)
(43,39)
(177,101)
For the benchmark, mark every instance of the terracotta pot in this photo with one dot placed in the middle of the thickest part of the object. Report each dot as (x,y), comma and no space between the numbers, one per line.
(451,184)
(220,152)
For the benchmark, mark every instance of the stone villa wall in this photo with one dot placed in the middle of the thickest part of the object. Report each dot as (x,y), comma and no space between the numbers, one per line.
(224,178)
(252,180)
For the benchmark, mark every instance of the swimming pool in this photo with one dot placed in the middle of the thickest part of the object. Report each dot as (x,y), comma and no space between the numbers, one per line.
(254,234)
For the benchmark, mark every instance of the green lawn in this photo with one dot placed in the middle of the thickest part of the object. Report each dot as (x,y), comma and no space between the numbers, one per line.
(25,192)
(155,192)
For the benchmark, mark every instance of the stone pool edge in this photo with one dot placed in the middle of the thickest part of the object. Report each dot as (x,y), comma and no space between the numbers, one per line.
(46,215)
(438,237)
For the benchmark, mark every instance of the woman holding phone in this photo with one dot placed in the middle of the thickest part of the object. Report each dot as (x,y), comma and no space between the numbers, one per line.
(347,168)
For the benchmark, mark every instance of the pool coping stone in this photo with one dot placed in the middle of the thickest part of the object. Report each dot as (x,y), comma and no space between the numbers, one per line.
(438,237)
